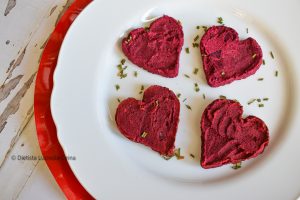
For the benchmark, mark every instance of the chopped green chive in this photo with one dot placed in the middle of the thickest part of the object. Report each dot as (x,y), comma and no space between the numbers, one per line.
(222,97)
(121,73)
(196,38)
(144,134)
(142,89)
(192,155)
(258,100)
(178,95)
(195,45)
(237,165)
(177,154)
(272,55)
(117,87)
(247,30)
(119,66)
(197,27)
(220,20)
(261,105)
(203,96)
(197,89)
(128,39)
(205,28)
(118,100)
(186,75)
(264,62)
(184,100)
(167,157)
(251,101)
(188,107)
(253,56)
(196,70)
(187,50)
(135,73)
(123,61)
(265,99)
(260,79)
(276,73)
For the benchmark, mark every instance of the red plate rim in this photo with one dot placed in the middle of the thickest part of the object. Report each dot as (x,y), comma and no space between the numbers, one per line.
(46,130)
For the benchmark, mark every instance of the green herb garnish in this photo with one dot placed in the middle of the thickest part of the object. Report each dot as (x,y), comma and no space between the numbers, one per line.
(195,45)
(178,95)
(261,105)
(260,79)
(258,100)
(197,27)
(222,97)
(184,100)
(220,20)
(264,62)
(276,73)
(117,87)
(167,157)
(196,38)
(135,73)
(205,28)
(251,101)
(197,89)
(192,155)
(247,30)
(186,75)
(177,154)
(265,99)
(123,61)
(203,95)
(142,89)
(196,70)
(188,107)
(144,134)
(272,55)
(118,100)
(187,50)
(237,165)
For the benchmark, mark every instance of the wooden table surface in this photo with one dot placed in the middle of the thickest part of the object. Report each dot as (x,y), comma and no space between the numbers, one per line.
(25,26)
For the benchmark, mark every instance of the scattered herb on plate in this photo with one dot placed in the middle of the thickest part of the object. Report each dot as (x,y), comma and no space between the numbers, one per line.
(187,50)
(186,75)
(188,106)
(220,20)
(272,55)
(196,71)
(237,165)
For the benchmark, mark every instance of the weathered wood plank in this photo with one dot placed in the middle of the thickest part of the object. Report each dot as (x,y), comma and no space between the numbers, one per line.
(19,63)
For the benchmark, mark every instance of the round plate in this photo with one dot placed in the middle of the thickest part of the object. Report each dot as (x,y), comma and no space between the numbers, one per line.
(84,102)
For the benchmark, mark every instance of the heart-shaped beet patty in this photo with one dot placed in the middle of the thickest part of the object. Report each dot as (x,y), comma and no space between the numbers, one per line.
(227,137)
(152,121)
(157,48)
(226,58)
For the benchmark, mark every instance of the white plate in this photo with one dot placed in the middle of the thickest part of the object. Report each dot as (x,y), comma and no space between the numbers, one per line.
(84,101)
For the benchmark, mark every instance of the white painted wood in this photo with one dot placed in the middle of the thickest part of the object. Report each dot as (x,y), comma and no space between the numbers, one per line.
(25,25)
